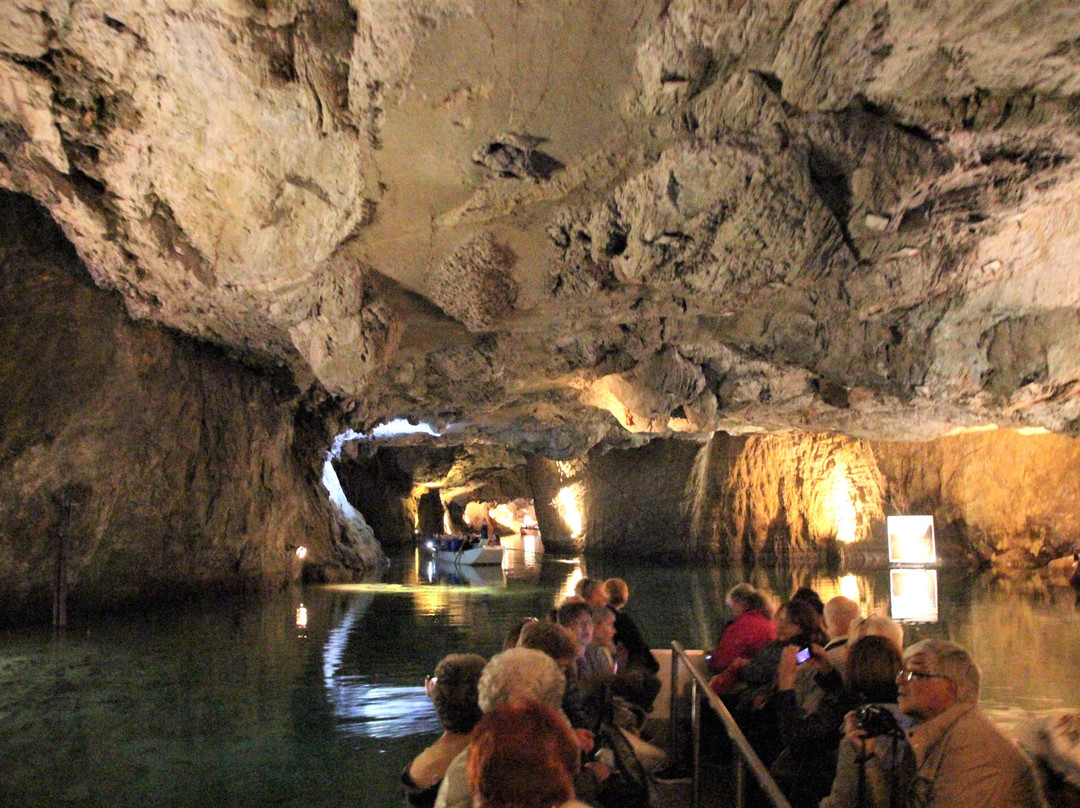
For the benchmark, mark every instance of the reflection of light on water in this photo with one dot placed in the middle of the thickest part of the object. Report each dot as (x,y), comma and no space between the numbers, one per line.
(913,594)
(849,587)
(567,589)
(383,711)
(301,616)
(369,710)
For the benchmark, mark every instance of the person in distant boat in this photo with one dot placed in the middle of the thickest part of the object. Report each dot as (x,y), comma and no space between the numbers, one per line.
(454,691)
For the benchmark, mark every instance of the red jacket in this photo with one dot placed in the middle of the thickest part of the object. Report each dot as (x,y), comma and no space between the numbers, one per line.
(744,637)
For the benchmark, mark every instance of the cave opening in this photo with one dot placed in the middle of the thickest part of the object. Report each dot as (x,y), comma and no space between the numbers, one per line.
(404,485)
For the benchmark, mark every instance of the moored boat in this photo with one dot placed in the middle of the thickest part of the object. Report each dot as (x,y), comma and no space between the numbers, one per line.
(464,551)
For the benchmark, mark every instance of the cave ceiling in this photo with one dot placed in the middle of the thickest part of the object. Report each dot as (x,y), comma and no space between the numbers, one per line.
(554,225)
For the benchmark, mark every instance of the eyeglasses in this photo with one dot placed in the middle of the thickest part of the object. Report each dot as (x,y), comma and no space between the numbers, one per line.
(907,674)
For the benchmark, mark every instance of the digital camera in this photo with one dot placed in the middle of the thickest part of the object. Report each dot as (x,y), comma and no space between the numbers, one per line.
(875,720)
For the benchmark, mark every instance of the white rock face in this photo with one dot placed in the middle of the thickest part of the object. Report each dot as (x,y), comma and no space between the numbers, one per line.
(559,224)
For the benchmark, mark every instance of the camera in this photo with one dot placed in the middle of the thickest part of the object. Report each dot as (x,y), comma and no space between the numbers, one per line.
(875,720)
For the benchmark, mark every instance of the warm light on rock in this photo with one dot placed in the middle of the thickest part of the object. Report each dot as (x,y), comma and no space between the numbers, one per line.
(569,504)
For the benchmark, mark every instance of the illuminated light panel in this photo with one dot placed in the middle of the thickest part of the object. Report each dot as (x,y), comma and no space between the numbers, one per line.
(911,539)
(913,595)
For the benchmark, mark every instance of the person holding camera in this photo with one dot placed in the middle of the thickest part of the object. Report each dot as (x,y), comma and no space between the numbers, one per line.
(804,769)
(944,751)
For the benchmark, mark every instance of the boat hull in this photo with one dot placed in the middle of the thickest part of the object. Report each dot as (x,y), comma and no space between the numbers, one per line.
(473,556)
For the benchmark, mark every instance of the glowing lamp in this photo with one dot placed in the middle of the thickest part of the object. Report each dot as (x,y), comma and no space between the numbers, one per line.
(301,616)
(911,539)
(301,553)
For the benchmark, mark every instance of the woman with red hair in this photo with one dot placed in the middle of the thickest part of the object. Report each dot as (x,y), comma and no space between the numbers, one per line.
(523,755)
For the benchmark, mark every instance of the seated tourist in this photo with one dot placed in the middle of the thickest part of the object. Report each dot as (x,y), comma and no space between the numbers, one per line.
(810,598)
(599,661)
(514,634)
(1053,742)
(591,591)
(636,679)
(523,755)
(516,675)
(952,755)
(804,769)
(453,690)
(585,706)
(839,614)
(751,630)
(798,625)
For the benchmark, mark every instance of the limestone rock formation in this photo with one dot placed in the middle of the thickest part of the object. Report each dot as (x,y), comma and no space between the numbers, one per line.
(855,217)
(139,465)
(563,228)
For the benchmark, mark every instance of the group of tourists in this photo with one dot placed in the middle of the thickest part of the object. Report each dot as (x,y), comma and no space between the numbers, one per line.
(555,719)
(844,716)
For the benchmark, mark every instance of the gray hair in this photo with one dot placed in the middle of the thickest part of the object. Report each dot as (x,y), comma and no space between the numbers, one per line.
(953,661)
(876,625)
(750,597)
(521,674)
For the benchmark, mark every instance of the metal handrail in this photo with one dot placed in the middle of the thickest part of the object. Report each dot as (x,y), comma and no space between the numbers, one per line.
(744,755)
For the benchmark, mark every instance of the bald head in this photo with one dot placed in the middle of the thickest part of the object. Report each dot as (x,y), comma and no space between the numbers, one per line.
(839,612)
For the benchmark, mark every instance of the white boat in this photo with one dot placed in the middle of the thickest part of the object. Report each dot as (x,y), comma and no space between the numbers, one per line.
(474,556)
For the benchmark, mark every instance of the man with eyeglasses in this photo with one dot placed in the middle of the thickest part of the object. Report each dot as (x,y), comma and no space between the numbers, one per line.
(954,756)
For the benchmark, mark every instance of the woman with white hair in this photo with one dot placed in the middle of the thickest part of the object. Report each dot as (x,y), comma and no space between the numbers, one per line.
(516,675)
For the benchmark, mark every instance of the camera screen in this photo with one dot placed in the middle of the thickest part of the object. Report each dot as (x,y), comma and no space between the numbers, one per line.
(802,655)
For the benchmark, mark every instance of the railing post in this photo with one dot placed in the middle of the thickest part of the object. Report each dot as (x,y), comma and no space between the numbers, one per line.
(674,741)
(740,779)
(745,759)
(695,732)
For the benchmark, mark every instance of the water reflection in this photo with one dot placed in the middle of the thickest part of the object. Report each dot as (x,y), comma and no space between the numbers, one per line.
(913,595)
(239,705)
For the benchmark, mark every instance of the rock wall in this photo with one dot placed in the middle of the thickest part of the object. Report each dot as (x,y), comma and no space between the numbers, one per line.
(378,488)
(160,465)
(548,480)
(997,496)
(635,500)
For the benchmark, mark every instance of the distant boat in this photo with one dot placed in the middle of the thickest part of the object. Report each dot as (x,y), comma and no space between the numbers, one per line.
(466,553)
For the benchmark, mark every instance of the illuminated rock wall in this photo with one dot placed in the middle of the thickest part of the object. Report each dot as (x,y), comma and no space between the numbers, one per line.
(635,500)
(163,467)
(782,496)
(997,496)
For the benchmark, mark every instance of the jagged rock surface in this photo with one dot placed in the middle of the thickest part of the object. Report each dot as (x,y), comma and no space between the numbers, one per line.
(559,228)
(157,467)
(682,216)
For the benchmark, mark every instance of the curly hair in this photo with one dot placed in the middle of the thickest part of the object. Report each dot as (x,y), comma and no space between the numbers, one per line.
(521,674)
(455,693)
